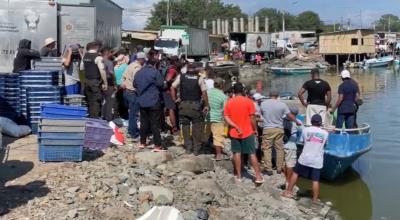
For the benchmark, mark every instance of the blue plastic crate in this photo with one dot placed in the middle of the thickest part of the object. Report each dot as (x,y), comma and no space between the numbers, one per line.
(61,142)
(62,135)
(48,153)
(63,111)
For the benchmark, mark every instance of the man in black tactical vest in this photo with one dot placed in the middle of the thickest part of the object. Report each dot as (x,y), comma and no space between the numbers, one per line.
(95,79)
(192,107)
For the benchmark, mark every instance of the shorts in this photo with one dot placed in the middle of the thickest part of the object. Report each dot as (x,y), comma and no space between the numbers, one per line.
(307,172)
(290,157)
(217,130)
(168,102)
(244,146)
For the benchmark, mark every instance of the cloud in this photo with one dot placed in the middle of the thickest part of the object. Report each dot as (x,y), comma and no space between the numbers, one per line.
(136,12)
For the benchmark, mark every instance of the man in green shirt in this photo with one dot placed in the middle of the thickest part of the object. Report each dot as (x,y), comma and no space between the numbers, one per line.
(217,100)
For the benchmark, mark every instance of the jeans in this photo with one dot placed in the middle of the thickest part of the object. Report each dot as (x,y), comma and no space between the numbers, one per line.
(150,121)
(348,119)
(130,99)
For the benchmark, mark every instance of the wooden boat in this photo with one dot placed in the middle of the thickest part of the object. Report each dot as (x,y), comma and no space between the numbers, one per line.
(343,148)
(378,62)
(280,71)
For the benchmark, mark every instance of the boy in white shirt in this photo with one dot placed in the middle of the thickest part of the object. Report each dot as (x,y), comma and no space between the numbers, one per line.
(311,159)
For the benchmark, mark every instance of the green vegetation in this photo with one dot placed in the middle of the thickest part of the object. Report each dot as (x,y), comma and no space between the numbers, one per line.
(192,13)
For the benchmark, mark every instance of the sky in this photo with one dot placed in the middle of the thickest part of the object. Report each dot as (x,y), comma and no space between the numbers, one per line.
(330,11)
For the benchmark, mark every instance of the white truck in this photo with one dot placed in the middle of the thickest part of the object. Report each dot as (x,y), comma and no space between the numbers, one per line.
(183,41)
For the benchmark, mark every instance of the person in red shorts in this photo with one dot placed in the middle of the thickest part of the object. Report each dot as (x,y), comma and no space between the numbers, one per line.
(239,113)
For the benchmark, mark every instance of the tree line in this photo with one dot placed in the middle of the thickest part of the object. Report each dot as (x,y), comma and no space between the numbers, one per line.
(193,12)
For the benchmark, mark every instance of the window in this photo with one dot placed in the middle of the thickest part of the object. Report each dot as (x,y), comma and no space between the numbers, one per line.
(354,41)
(362,41)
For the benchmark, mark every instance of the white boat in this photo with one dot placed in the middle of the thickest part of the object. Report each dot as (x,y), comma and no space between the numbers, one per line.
(378,62)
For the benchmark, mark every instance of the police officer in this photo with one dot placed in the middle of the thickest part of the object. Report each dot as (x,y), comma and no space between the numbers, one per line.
(95,79)
(192,107)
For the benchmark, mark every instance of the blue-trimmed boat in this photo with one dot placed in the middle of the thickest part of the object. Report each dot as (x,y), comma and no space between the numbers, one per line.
(281,71)
(343,148)
(378,62)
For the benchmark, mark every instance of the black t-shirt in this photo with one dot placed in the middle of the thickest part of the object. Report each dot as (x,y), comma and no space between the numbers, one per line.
(316,89)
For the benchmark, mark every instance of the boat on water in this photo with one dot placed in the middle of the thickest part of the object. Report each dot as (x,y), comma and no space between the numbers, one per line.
(343,148)
(280,71)
(378,62)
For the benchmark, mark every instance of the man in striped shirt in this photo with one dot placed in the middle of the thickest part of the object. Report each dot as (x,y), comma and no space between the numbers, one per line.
(217,100)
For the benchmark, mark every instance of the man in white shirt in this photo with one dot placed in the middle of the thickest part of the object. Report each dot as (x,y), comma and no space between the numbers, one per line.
(311,159)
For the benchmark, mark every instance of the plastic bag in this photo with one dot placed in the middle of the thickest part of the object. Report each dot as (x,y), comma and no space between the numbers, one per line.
(12,129)
(162,213)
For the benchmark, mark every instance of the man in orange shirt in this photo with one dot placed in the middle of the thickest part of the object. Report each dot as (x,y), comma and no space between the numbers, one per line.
(239,113)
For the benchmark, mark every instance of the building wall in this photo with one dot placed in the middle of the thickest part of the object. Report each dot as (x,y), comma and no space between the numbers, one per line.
(295,37)
(343,43)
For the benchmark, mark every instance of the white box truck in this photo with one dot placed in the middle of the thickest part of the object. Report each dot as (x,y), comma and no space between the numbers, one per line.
(183,41)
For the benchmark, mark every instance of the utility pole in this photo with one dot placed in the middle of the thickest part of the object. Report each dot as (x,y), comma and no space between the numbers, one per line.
(389,24)
(168,12)
(361,24)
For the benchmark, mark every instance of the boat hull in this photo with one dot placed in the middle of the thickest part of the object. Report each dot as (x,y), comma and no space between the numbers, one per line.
(291,71)
(335,166)
(341,151)
(381,62)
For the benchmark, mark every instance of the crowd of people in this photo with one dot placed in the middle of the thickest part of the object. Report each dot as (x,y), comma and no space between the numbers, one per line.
(172,95)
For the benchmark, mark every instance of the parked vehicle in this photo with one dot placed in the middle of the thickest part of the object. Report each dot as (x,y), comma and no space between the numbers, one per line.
(183,41)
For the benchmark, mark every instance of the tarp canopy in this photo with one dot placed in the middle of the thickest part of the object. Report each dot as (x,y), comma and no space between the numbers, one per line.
(140,35)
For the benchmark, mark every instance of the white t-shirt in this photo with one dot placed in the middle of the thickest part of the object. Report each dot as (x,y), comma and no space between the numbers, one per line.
(313,151)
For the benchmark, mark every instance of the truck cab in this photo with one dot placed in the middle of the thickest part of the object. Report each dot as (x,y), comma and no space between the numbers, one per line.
(168,46)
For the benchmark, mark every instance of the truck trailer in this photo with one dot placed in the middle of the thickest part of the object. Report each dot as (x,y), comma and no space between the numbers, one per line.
(183,41)
(67,21)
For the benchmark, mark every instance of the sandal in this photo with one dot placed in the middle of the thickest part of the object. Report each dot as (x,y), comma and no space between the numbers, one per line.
(289,195)
(260,181)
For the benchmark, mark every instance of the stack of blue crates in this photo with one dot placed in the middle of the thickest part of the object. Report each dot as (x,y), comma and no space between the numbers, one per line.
(36,97)
(9,96)
(35,78)
(61,132)
(61,140)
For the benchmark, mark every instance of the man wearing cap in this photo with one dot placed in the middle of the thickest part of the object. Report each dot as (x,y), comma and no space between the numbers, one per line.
(239,114)
(49,48)
(311,160)
(319,96)
(217,100)
(71,67)
(95,79)
(346,103)
(273,112)
(130,96)
(192,107)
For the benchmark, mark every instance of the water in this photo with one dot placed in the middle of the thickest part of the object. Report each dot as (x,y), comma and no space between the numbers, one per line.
(370,190)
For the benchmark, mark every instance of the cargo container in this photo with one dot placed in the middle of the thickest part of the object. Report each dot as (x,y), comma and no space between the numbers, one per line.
(251,43)
(67,21)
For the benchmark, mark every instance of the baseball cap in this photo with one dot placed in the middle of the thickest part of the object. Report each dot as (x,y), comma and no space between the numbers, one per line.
(345,74)
(294,110)
(141,55)
(238,88)
(257,96)
(316,119)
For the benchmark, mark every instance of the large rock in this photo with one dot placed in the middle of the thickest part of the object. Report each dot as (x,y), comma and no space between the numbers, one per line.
(194,164)
(161,195)
(152,158)
(118,213)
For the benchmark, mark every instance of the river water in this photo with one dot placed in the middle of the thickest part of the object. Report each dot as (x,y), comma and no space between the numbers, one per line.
(369,190)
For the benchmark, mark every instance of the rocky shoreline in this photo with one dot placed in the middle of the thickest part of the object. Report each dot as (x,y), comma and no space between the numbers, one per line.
(125,182)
